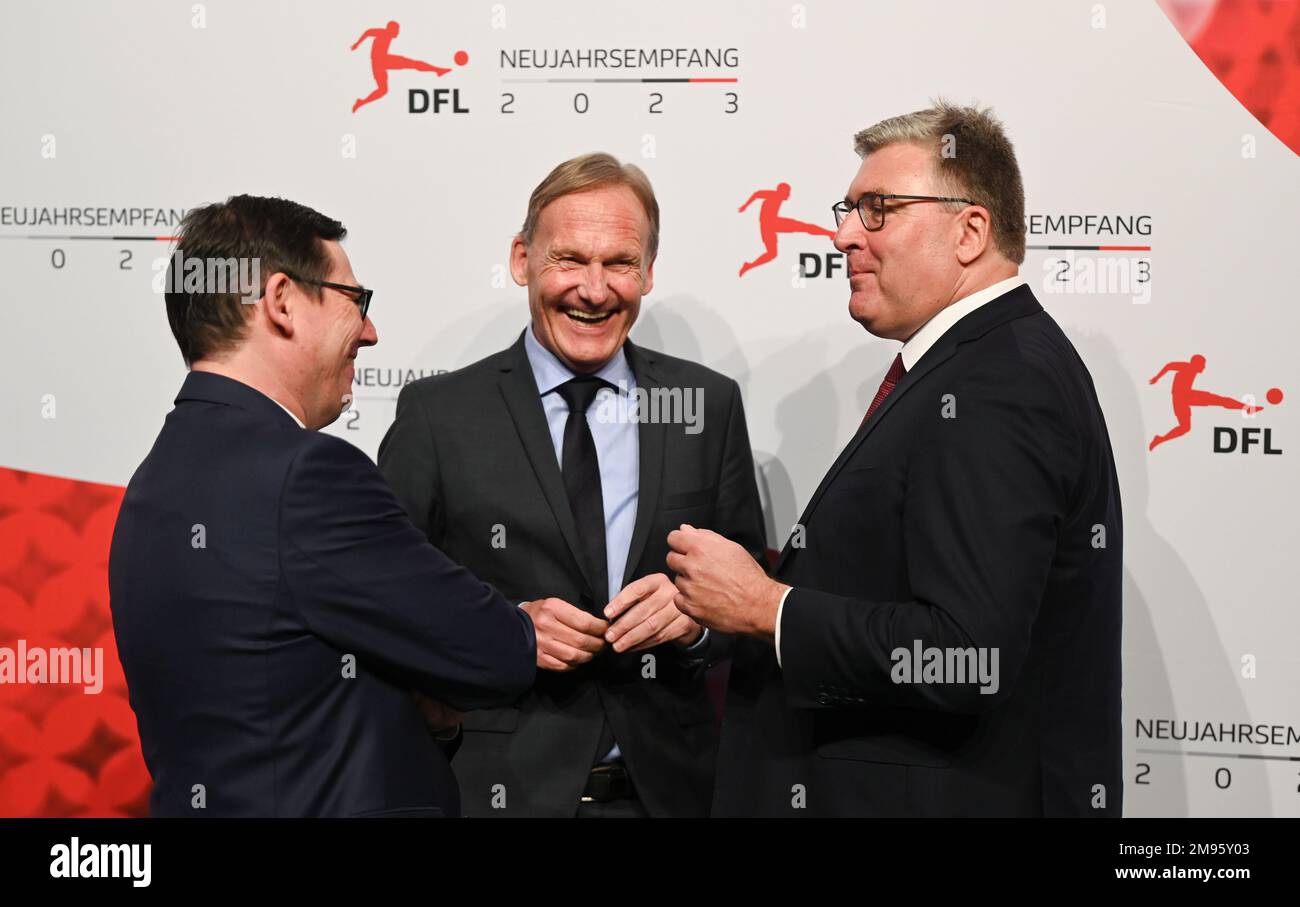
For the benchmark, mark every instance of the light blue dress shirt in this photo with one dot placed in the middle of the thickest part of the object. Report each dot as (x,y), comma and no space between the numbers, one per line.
(618,453)
(618,450)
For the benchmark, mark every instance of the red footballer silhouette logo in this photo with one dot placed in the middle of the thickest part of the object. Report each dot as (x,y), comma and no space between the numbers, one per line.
(382,62)
(1185,397)
(771,223)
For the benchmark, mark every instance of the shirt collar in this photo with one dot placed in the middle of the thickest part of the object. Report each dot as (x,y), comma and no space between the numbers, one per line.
(549,372)
(929,333)
(287,410)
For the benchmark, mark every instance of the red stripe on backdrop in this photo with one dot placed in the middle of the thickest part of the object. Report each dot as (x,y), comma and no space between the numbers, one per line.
(63,751)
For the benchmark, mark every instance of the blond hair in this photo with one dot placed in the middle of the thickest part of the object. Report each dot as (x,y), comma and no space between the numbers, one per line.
(593,171)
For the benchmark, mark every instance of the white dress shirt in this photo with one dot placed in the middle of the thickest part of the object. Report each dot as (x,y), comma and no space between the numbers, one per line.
(290,412)
(917,346)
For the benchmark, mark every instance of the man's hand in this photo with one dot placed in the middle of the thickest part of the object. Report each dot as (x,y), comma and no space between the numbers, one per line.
(441,719)
(649,616)
(566,636)
(720,585)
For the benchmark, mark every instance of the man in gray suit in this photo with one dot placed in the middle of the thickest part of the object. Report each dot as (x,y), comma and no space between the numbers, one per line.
(555,470)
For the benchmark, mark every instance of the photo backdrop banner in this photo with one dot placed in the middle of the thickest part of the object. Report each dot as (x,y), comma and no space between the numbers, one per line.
(1158,146)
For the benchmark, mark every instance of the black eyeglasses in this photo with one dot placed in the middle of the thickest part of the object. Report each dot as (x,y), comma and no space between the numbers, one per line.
(363,295)
(871,207)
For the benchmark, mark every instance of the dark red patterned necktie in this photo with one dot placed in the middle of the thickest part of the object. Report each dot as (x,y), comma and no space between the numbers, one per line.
(891,379)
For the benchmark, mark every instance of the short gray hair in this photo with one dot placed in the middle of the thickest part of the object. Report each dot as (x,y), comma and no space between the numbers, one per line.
(982,165)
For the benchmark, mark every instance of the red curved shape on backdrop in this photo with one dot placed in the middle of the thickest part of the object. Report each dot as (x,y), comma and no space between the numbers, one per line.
(63,752)
(1253,48)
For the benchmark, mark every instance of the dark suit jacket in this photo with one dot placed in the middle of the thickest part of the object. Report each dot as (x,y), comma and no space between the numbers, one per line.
(252,563)
(969,511)
(470,451)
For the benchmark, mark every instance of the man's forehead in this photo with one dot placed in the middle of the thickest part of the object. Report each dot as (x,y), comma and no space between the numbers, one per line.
(340,264)
(596,214)
(893,168)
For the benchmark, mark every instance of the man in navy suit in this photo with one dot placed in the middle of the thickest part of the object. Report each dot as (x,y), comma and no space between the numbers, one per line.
(281,623)
(942,636)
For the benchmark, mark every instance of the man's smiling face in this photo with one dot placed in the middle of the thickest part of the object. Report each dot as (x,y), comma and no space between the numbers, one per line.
(586,270)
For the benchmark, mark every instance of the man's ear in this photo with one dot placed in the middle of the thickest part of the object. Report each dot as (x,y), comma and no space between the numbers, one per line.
(975,232)
(519,261)
(278,301)
(649,282)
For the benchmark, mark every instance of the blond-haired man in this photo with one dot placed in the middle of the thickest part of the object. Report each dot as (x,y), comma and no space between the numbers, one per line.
(555,469)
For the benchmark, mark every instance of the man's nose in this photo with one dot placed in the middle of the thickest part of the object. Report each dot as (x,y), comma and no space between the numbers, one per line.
(594,288)
(850,234)
(369,335)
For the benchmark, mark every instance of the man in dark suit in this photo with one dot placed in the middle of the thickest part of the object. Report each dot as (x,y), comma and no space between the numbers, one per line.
(555,469)
(943,633)
(276,613)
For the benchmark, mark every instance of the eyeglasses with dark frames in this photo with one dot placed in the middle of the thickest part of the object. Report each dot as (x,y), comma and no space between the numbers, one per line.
(362,295)
(871,207)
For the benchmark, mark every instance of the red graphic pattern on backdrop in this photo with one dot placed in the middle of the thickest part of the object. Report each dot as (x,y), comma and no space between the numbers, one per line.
(63,752)
(1253,48)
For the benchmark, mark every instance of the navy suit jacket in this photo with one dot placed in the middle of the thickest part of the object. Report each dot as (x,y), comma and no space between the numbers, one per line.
(977,509)
(274,608)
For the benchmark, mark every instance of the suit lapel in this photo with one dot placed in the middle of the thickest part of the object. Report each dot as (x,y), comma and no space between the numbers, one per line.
(524,401)
(908,381)
(651,437)
(1015,304)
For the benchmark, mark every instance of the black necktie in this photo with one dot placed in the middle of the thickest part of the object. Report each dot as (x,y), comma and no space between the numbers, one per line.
(581,470)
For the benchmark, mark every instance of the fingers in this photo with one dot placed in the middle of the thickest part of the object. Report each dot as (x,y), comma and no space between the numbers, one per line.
(677,563)
(680,626)
(566,636)
(550,663)
(576,618)
(648,613)
(680,538)
(634,592)
(570,651)
(683,604)
(575,639)
(565,654)
(653,621)
(643,622)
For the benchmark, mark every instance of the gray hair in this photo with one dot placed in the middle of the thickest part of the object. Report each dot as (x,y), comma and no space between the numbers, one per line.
(972,158)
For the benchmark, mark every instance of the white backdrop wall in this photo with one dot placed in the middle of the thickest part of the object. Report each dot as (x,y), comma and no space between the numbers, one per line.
(165,106)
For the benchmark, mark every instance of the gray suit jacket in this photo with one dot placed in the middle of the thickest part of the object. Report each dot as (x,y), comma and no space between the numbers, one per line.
(470,454)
